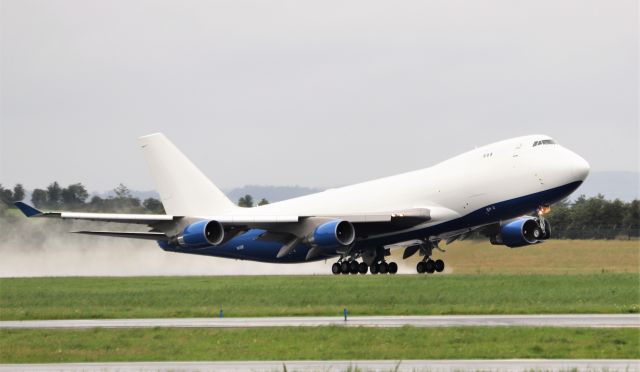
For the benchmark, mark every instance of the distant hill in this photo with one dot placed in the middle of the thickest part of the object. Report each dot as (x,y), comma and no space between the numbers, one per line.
(142,195)
(613,185)
(271,193)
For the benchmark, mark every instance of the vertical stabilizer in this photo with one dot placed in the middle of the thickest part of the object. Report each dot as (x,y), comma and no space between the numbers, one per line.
(184,190)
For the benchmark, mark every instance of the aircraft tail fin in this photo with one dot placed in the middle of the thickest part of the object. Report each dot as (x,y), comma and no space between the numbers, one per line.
(183,188)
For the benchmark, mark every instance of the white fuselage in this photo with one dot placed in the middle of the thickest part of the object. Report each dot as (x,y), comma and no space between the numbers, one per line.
(481,177)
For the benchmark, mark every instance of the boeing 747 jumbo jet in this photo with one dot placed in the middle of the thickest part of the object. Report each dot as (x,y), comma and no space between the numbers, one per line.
(501,190)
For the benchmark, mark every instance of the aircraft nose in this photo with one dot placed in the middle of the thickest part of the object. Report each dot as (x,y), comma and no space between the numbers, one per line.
(580,167)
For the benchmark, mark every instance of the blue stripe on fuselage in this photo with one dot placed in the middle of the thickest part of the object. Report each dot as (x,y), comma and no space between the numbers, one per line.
(247,247)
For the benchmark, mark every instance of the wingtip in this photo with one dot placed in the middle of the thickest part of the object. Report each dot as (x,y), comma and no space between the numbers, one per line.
(28,210)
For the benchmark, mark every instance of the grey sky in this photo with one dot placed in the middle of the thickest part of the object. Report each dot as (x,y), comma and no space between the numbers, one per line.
(315,93)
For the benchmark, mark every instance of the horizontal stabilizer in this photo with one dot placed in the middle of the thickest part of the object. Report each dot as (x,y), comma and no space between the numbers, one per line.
(28,210)
(126,234)
(144,219)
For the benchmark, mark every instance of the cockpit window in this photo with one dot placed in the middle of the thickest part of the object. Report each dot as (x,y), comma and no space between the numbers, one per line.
(544,142)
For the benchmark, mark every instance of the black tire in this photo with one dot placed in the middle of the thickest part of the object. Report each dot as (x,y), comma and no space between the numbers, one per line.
(354,267)
(393,268)
(374,268)
(430,267)
(336,268)
(421,267)
(363,268)
(439,266)
(344,267)
(384,268)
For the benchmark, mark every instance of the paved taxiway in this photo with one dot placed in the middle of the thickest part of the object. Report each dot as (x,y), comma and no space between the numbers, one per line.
(570,320)
(370,365)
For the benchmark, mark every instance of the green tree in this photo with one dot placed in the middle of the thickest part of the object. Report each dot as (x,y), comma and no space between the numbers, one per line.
(6,195)
(74,195)
(96,204)
(18,193)
(263,201)
(123,201)
(54,195)
(39,198)
(632,215)
(122,192)
(246,201)
(10,197)
(153,205)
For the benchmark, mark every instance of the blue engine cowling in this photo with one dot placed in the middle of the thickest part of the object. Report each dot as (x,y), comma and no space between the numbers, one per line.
(333,233)
(201,234)
(519,233)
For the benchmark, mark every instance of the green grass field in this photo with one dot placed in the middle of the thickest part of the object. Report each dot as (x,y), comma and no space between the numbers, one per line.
(149,297)
(321,343)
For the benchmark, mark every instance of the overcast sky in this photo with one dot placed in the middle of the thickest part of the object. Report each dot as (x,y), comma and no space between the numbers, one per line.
(314,93)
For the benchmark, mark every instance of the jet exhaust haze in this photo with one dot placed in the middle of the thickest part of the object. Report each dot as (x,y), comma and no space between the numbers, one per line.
(48,249)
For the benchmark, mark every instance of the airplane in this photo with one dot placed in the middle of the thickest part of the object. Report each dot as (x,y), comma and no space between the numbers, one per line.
(501,191)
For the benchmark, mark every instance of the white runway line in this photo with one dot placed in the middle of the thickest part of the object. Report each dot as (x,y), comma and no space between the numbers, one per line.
(365,365)
(569,320)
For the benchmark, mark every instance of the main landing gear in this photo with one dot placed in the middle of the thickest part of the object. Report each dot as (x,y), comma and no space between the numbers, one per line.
(354,267)
(383,267)
(430,266)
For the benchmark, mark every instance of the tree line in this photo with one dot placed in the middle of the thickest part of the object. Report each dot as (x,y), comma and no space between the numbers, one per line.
(76,197)
(595,218)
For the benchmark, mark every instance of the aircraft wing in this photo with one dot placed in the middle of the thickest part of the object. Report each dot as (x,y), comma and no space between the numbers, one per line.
(164,225)
(406,217)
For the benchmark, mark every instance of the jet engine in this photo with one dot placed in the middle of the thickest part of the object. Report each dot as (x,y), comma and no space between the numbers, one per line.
(201,234)
(521,232)
(333,233)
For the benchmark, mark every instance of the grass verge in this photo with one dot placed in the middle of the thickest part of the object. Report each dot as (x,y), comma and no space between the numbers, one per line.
(552,257)
(149,297)
(320,343)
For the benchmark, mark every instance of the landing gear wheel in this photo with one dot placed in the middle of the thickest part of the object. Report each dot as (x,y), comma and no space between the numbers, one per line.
(421,267)
(354,267)
(538,233)
(393,268)
(363,268)
(375,268)
(439,266)
(336,268)
(384,268)
(430,267)
(344,267)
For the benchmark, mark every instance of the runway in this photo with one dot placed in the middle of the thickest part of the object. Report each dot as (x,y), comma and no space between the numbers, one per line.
(368,365)
(569,320)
